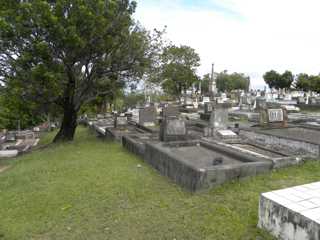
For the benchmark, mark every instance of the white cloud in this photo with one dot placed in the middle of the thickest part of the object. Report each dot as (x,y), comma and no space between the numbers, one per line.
(261,35)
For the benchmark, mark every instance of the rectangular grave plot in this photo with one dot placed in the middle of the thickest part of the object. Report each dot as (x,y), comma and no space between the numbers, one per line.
(200,165)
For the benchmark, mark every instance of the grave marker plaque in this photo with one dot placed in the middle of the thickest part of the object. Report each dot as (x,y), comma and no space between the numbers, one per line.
(275,115)
(120,121)
(208,107)
(175,127)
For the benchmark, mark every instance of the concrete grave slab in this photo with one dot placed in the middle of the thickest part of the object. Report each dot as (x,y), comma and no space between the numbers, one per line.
(291,213)
(226,134)
(8,153)
(197,165)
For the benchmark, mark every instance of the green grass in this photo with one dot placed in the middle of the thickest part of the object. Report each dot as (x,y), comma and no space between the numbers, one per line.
(92,189)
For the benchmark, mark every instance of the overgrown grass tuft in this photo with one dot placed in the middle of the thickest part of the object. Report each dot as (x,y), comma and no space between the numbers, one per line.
(92,189)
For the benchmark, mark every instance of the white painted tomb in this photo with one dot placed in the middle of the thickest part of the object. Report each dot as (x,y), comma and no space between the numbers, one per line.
(292,213)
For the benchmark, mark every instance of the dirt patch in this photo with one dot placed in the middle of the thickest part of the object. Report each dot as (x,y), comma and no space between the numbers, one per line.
(4,168)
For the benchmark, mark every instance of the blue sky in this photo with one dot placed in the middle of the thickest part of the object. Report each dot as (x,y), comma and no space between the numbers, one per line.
(249,36)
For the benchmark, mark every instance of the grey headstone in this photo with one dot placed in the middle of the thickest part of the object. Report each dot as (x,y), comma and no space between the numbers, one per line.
(273,117)
(260,103)
(175,127)
(208,107)
(219,116)
(120,121)
(172,129)
(170,111)
(147,116)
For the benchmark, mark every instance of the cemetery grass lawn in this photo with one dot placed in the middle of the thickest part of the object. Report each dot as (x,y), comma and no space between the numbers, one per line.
(93,189)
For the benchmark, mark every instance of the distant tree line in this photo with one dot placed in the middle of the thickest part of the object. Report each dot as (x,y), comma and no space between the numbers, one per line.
(288,80)
(226,82)
(307,82)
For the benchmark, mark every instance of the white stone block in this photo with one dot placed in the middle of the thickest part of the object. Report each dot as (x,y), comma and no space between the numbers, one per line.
(291,219)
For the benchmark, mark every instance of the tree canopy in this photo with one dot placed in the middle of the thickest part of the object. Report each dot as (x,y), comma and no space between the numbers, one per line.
(68,52)
(234,81)
(277,80)
(307,82)
(179,69)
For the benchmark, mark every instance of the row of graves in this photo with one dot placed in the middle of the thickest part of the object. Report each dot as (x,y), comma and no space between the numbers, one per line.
(17,142)
(201,153)
(198,154)
(292,213)
(13,143)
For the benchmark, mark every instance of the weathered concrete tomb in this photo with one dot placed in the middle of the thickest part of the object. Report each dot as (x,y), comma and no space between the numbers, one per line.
(292,213)
(296,139)
(198,165)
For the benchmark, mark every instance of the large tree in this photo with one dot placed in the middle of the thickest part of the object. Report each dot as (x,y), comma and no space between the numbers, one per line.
(179,69)
(303,82)
(278,81)
(233,81)
(68,52)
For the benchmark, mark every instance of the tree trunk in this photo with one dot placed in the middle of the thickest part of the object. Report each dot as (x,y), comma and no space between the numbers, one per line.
(69,120)
(68,125)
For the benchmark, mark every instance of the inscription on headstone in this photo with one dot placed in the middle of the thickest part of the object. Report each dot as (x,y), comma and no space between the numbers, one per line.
(175,127)
(208,107)
(120,121)
(275,115)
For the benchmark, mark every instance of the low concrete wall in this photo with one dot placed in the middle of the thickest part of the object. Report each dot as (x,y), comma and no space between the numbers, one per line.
(276,140)
(134,146)
(219,175)
(181,173)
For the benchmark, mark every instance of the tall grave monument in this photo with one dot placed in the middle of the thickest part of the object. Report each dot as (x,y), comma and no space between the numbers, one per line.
(212,84)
